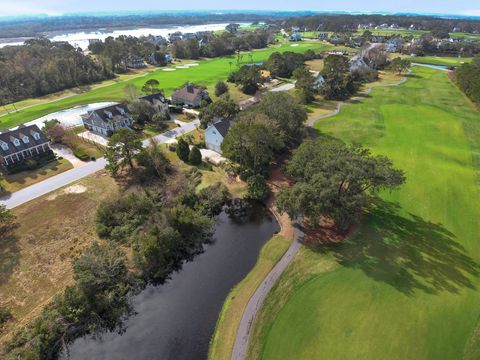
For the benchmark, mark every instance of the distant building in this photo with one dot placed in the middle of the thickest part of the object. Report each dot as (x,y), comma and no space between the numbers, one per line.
(295,29)
(394,44)
(358,63)
(295,37)
(24,143)
(158,101)
(215,134)
(232,28)
(319,82)
(322,36)
(190,95)
(134,62)
(378,39)
(93,41)
(177,35)
(107,120)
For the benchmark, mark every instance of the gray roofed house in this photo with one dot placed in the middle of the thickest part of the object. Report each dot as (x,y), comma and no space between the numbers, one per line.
(22,144)
(215,134)
(190,95)
(158,101)
(106,120)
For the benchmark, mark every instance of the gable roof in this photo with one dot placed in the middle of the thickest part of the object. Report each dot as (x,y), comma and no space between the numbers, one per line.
(189,92)
(152,97)
(222,126)
(9,136)
(115,110)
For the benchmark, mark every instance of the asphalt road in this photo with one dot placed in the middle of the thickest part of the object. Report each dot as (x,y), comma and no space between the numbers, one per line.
(55,182)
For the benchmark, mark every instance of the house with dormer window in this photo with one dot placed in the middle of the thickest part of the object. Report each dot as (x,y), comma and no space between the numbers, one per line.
(107,120)
(22,144)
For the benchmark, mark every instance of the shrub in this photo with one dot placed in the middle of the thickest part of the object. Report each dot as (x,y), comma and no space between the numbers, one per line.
(195,156)
(5,315)
(172,147)
(80,153)
(220,88)
(183,150)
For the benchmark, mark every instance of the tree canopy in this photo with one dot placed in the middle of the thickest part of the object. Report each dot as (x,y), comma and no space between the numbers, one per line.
(224,107)
(122,147)
(333,180)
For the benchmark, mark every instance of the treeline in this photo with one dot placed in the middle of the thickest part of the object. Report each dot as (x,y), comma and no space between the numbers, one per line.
(41,67)
(468,78)
(348,23)
(223,44)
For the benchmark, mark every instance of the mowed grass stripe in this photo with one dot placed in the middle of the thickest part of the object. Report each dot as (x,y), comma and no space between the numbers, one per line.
(406,285)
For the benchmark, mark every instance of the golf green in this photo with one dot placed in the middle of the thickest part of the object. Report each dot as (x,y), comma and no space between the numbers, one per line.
(405,285)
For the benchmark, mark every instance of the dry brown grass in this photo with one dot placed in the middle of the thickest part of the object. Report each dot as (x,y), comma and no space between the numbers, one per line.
(36,264)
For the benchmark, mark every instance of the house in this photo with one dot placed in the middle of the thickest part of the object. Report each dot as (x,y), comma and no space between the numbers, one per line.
(295,37)
(190,95)
(134,62)
(319,82)
(232,28)
(394,44)
(24,143)
(358,63)
(295,29)
(378,39)
(158,101)
(322,36)
(106,120)
(215,134)
(173,37)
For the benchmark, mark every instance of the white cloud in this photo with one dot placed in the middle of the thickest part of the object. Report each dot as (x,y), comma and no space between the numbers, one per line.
(472,12)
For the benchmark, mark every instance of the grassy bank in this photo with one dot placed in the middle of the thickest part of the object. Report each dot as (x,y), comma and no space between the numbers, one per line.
(226,330)
(405,286)
(440,60)
(207,73)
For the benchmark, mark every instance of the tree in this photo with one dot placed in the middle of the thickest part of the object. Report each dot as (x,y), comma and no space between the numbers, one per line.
(220,88)
(257,187)
(224,107)
(153,159)
(333,180)
(399,65)
(151,86)
(195,156)
(183,150)
(287,116)
(248,77)
(251,143)
(8,222)
(123,145)
(468,78)
(54,130)
(131,92)
(304,84)
(142,112)
(339,84)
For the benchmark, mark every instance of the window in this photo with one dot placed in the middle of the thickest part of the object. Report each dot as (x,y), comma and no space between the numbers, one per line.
(214,132)
(16,142)
(26,140)
(36,136)
(5,146)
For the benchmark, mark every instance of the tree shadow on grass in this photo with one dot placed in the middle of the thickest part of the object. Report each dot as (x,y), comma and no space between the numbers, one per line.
(406,252)
(9,257)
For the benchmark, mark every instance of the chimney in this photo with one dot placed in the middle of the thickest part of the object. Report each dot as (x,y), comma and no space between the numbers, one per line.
(190,88)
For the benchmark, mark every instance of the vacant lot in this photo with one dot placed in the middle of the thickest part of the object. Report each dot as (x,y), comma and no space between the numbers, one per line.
(405,286)
(207,73)
(36,264)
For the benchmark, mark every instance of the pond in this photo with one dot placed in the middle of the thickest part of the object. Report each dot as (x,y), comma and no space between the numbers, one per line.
(176,320)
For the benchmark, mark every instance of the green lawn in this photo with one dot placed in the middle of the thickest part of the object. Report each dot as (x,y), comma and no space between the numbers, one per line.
(440,60)
(207,73)
(405,286)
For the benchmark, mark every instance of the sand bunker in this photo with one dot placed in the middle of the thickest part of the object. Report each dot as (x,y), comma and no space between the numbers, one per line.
(181,67)
(169,69)
(75,189)
(293,45)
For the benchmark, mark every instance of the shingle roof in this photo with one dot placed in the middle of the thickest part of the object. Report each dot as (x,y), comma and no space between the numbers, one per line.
(113,109)
(9,137)
(188,92)
(222,126)
(152,97)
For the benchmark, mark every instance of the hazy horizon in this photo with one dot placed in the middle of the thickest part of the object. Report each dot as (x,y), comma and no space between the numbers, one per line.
(61,7)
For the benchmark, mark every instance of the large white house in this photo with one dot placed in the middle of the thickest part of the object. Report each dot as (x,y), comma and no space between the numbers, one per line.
(106,120)
(215,134)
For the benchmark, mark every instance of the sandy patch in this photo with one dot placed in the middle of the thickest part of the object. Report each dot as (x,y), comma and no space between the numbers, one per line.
(169,69)
(293,45)
(75,189)
(181,67)
(193,64)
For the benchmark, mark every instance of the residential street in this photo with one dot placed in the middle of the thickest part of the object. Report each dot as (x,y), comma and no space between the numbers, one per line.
(44,187)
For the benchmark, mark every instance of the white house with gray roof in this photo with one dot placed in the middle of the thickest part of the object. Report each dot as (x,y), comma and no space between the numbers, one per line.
(106,120)
(215,134)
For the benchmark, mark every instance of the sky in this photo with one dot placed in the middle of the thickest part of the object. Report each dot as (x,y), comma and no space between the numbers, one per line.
(59,7)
